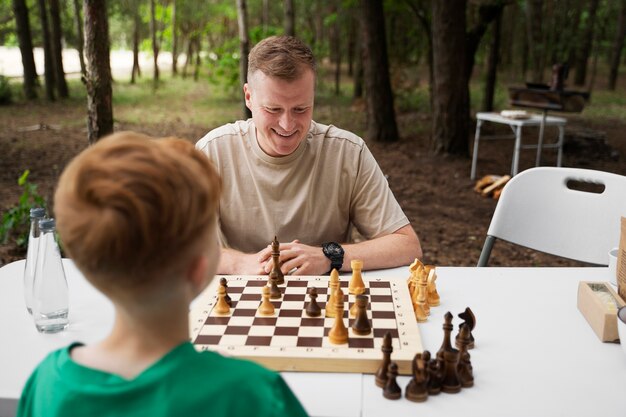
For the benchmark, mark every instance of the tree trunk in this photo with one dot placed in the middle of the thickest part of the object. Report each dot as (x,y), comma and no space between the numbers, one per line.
(585,46)
(25,41)
(337,53)
(98,80)
(358,64)
(57,49)
(196,70)
(78,19)
(381,118)
(423,16)
(290,18)
(618,45)
(136,71)
(534,18)
(492,66)
(451,92)
(155,45)
(244,48)
(174,40)
(47,51)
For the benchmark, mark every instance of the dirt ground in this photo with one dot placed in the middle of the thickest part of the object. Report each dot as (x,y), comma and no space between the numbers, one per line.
(435,191)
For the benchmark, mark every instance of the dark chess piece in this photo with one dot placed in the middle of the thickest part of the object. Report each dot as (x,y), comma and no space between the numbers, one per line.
(276,271)
(392,390)
(451,383)
(447,330)
(313,309)
(417,389)
(275,293)
(466,375)
(381,373)
(224,283)
(361,324)
(469,319)
(435,375)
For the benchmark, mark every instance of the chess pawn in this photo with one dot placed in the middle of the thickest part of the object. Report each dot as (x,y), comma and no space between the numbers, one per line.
(313,309)
(417,389)
(333,285)
(451,383)
(435,375)
(338,334)
(222,307)
(266,308)
(356,285)
(224,283)
(387,349)
(276,272)
(433,296)
(361,325)
(392,390)
(465,366)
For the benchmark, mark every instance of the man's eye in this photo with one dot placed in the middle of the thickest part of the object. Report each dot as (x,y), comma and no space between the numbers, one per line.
(271,110)
(300,110)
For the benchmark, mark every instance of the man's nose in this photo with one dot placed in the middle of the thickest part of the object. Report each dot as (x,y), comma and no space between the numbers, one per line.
(286,121)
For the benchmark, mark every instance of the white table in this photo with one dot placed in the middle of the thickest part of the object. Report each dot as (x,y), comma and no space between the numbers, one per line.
(516,125)
(535,354)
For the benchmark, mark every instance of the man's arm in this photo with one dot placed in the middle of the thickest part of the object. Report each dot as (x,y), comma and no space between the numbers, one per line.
(396,249)
(234,262)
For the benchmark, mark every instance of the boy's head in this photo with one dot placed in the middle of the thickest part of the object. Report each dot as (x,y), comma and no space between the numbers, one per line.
(132,210)
(282,57)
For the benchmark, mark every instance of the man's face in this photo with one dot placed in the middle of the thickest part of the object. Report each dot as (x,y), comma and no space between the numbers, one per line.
(281,110)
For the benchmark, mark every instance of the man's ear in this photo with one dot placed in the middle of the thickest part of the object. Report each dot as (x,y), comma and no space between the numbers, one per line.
(247,93)
(197,272)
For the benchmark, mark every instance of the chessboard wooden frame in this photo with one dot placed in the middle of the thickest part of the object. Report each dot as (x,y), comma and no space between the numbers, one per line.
(335,358)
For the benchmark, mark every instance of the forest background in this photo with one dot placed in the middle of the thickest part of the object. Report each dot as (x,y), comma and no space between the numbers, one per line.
(407,75)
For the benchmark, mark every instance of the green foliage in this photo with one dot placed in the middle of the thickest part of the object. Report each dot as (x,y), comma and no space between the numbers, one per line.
(16,221)
(6,94)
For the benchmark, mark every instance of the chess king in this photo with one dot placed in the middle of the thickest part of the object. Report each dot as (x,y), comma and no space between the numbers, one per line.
(306,182)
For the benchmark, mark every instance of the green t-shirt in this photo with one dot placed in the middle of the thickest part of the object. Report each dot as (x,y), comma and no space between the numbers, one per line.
(184,382)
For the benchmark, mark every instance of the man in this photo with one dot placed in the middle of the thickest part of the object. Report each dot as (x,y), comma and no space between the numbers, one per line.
(307,183)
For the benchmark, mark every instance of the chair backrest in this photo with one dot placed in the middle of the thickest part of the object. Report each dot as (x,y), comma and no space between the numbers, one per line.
(543,209)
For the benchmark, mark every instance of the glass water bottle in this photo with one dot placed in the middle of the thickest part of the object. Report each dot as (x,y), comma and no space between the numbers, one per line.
(36,214)
(50,293)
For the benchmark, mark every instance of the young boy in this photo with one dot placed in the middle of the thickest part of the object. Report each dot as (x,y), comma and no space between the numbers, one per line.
(138,217)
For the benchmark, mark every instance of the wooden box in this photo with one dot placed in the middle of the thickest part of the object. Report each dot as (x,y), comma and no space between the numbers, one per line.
(599,304)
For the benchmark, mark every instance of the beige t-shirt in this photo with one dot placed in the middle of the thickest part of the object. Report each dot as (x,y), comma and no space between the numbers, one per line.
(329,183)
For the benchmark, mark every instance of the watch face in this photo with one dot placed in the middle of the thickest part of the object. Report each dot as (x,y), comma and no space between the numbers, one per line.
(332,249)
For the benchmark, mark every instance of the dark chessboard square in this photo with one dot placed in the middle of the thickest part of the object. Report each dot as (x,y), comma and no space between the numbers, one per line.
(322,290)
(297,283)
(244,312)
(264,321)
(309,342)
(381,332)
(286,331)
(383,314)
(290,313)
(207,340)
(237,329)
(235,290)
(326,331)
(344,284)
(294,297)
(254,283)
(258,340)
(312,322)
(382,299)
(379,284)
(217,320)
(363,343)
(250,297)
(277,304)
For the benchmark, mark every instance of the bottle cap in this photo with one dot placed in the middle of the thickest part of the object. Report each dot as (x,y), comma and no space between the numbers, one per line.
(47,225)
(37,212)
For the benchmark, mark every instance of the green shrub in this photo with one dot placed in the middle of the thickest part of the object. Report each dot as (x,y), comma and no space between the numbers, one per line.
(16,221)
(6,95)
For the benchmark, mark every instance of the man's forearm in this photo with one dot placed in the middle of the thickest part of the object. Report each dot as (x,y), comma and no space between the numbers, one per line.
(389,251)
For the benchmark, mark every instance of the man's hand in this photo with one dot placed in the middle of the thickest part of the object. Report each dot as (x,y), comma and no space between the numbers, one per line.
(306,260)
(233,262)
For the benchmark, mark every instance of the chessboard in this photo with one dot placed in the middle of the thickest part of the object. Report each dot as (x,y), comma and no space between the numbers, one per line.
(291,341)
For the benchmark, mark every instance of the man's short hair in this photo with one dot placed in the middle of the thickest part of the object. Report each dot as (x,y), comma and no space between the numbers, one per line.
(136,207)
(283,57)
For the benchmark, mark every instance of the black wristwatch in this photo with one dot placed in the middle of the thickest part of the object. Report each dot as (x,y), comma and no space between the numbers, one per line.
(334,252)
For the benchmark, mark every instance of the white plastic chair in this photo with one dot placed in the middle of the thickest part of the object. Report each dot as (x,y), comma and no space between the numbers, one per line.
(543,209)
